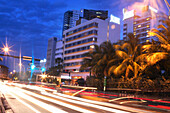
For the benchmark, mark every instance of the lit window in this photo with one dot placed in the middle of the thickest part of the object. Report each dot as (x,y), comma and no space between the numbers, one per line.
(92,46)
(98,16)
(147,31)
(139,25)
(147,35)
(147,19)
(147,26)
(98,12)
(134,22)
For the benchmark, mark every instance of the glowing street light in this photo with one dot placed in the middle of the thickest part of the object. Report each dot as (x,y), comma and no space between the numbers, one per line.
(20,64)
(6,49)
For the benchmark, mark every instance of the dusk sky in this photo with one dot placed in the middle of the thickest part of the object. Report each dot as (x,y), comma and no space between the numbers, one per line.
(30,23)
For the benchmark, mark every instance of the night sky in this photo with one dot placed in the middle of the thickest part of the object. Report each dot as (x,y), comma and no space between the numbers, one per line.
(28,24)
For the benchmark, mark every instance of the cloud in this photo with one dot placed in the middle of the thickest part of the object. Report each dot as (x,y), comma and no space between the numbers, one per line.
(25,21)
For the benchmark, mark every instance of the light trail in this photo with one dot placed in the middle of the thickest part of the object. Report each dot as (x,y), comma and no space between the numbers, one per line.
(102,103)
(36,102)
(85,100)
(29,106)
(73,101)
(57,102)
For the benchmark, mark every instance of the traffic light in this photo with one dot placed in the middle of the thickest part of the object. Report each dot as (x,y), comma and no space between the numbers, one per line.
(32,67)
(43,69)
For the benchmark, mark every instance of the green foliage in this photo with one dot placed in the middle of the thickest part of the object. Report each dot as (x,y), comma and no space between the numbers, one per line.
(55,71)
(131,64)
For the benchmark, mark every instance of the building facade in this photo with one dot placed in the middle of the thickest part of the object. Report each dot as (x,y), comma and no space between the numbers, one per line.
(51,52)
(81,39)
(3,71)
(140,24)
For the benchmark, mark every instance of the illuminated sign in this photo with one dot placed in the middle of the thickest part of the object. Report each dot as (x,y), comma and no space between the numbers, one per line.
(114,19)
(153,9)
(127,14)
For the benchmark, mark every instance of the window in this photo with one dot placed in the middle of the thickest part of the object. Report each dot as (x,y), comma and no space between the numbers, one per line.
(95,32)
(80,29)
(75,31)
(139,25)
(84,27)
(90,25)
(125,25)
(96,24)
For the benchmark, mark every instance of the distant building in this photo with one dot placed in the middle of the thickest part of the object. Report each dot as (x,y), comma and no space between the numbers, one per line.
(51,52)
(3,71)
(70,18)
(58,51)
(82,38)
(140,24)
(89,14)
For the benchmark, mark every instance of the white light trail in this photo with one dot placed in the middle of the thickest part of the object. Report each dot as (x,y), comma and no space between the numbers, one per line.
(39,103)
(25,104)
(86,100)
(57,102)
(86,104)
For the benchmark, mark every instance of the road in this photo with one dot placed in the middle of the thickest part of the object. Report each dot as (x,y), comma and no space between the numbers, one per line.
(30,99)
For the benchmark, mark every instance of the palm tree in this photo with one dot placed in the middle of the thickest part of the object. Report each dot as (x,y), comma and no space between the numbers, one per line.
(158,53)
(127,53)
(163,34)
(98,59)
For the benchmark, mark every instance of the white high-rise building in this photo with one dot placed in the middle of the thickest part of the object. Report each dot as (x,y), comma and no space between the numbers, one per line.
(140,24)
(82,38)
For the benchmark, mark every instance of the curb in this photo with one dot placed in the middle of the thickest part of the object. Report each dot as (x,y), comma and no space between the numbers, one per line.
(4,106)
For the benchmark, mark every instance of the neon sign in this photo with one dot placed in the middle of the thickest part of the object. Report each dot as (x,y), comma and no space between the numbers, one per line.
(127,14)
(114,19)
(153,9)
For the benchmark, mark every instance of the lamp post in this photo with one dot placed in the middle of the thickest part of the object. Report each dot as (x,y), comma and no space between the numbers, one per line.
(104,89)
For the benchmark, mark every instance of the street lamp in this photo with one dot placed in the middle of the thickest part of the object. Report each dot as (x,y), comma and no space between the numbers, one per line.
(6,49)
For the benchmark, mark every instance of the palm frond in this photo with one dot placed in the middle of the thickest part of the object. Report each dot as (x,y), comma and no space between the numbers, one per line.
(161,38)
(156,57)
(162,26)
(122,54)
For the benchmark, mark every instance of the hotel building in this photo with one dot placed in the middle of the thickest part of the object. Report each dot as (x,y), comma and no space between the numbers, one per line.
(140,24)
(82,38)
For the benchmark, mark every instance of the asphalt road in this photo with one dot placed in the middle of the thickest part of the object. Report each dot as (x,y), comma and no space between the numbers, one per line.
(24,99)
